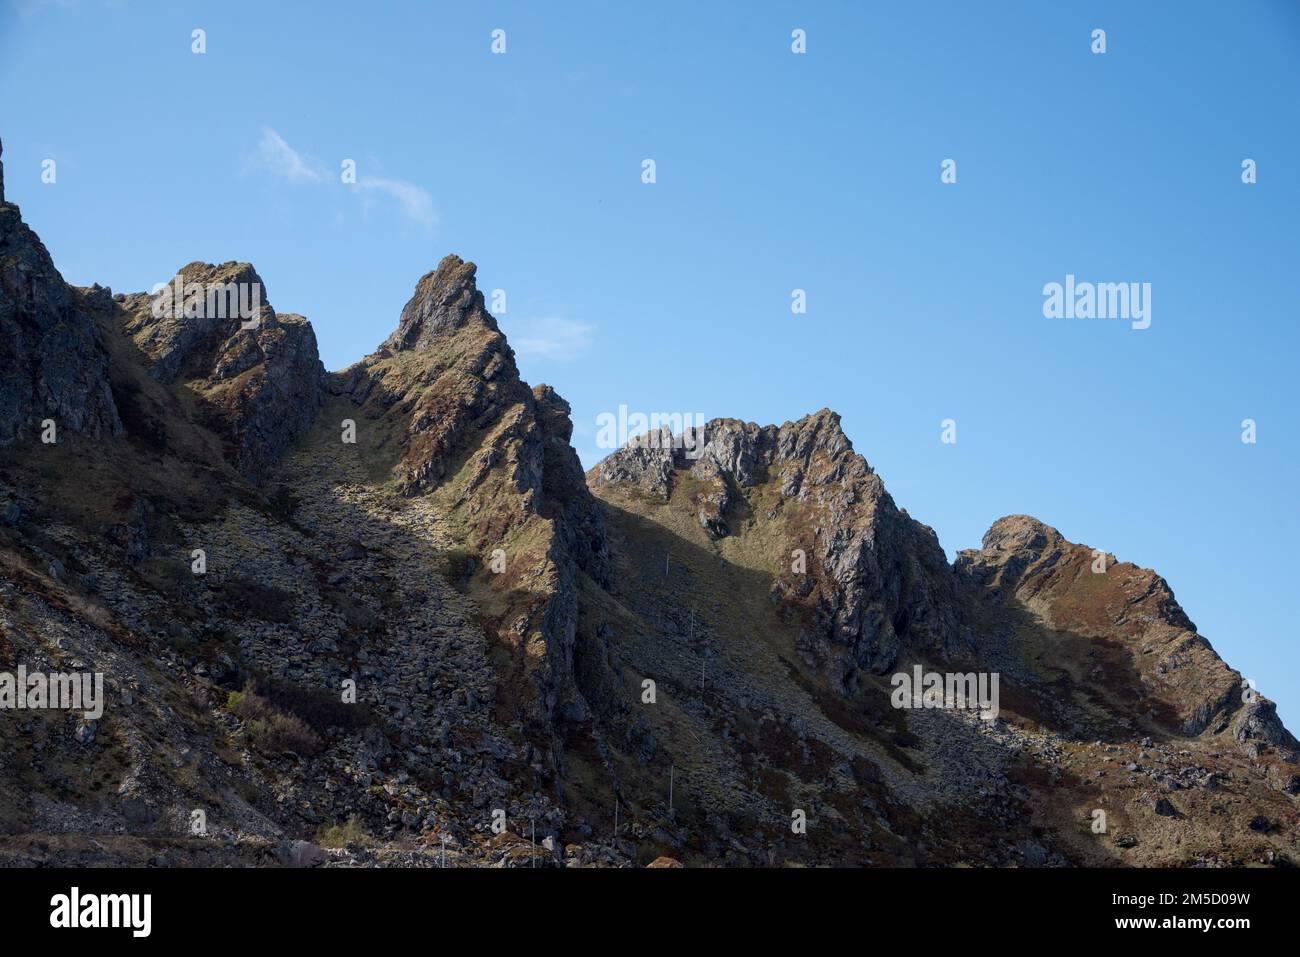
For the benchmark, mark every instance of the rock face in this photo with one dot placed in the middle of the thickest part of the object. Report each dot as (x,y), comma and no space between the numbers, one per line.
(868,579)
(443,377)
(1062,585)
(257,373)
(445,301)
(1257,722)
(53,362)
(444,398)
(717,614)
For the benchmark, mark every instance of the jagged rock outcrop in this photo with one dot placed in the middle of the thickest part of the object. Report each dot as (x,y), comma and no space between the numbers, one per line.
(871,580)
(1257,721)
(53,363)
(565,496)
(443,378)
(257,373)
(1074,589)
(445,300)
(443,397)
(647,462)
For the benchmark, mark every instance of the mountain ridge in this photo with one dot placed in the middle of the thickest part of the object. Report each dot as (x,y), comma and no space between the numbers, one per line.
(419,525)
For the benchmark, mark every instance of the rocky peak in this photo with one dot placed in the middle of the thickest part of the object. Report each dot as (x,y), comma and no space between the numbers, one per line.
(445,300)
(53,360)
(877,581)
(647,461)
(2,173)
(204,323)
(1012,545)
(816,434)
(1121,614)
(1022,534)
(446,404)
(1018,550)
(1257,723)
(812,448)
(259,373)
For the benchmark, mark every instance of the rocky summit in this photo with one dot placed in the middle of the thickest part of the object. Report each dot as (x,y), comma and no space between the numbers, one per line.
(381,616)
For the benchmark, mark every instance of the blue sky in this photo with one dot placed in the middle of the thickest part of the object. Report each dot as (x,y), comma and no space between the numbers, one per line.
(775,171)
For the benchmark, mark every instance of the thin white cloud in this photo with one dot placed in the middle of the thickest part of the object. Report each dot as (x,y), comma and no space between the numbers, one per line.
(414,200)
(276,156)
(281,159)
(561,340)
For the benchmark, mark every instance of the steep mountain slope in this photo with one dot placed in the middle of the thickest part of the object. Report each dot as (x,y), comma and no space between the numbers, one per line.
(442,401)
(1109,699)
(374,608)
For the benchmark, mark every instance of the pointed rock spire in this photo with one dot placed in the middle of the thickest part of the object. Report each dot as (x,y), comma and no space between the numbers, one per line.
(445,300)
